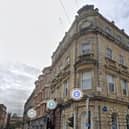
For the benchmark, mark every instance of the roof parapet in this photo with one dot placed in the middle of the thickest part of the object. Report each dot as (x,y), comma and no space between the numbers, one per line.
(85,9)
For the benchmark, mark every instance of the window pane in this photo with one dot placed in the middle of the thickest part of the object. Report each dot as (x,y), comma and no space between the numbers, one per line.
(86,80)
(86,120)
(109,53)
(121,59)
(124,86)
(127,121)
(114,121)
(109,79)
(85,48)
(111,83)
(66,88)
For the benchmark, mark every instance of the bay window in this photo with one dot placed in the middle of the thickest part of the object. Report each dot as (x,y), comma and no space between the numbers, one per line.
(86,80)
(86,48)
(111,83)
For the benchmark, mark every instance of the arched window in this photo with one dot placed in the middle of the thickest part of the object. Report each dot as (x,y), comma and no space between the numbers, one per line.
(114,121)
(86,122)
(127,121)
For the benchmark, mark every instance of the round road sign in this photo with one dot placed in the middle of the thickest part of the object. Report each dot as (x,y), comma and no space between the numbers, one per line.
(51,104)
(76,94)
(31,113)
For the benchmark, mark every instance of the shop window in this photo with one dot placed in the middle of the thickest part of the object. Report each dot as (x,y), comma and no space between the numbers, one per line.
(114,121)
(86,122)
(127,121)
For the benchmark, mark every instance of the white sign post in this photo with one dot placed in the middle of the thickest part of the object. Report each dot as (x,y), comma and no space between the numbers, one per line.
(76,95)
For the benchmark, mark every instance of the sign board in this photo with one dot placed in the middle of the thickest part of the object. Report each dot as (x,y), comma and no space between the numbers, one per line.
(51,104)
(76,94)
(105,109)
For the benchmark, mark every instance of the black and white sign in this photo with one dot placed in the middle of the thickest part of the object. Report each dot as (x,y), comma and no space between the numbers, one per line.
(105,109)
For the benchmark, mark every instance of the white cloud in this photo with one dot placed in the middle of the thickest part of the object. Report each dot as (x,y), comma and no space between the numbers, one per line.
(15,87)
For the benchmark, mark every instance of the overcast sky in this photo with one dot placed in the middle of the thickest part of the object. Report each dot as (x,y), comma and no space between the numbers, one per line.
(30,30)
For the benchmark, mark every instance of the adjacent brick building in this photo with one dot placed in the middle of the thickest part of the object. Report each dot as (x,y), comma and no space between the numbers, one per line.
(3,116)
(28,105)
(42,94)
(38,100)
(94,57)
(16,122)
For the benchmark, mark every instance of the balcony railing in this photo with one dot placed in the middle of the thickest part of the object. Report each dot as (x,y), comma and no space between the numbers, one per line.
(86,59)
(110,63)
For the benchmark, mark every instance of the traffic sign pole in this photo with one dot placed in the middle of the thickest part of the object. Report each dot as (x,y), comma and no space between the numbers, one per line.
(76,95)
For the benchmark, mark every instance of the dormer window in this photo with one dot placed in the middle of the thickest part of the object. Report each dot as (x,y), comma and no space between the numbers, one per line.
(109,53)
(86,48)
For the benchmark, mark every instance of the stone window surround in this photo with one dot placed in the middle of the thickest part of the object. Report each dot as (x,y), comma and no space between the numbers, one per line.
(91,79)
(114,118)
(65,87)
(109,53)
(112,81)
(125,88)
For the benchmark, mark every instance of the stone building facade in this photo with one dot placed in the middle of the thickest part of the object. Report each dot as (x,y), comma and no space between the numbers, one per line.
(94,57)
(3,116)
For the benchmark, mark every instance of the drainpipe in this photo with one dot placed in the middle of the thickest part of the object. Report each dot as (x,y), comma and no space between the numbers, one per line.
(87,110)
(75,117)
(99,113)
